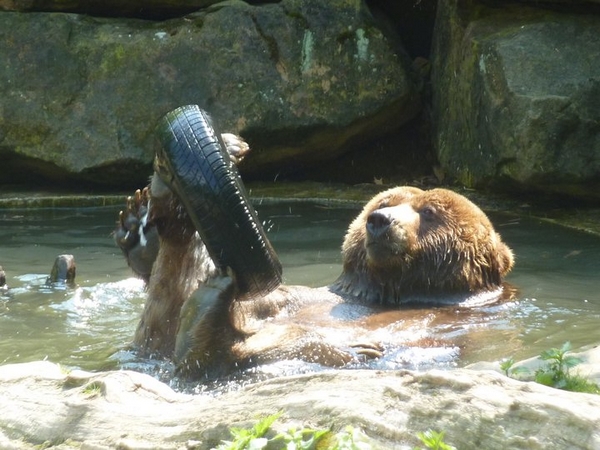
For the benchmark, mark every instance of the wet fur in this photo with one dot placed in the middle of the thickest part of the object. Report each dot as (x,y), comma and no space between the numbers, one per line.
(451,250)
(181,265)
(439,246)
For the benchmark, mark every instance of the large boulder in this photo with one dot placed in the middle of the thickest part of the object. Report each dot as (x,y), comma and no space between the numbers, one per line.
(43,406)
(515,97)
(112,8)
(302,80)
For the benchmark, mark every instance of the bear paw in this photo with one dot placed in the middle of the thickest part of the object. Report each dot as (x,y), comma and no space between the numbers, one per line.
(202,321)
(136,236)
(236,147)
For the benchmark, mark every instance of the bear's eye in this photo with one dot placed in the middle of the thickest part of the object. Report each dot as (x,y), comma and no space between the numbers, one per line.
(427,212)
(384,204)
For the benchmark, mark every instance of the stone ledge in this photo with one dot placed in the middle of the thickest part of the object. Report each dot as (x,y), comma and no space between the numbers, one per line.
(123,409)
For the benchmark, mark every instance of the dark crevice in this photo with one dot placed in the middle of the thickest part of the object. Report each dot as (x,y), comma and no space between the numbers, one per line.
(411,20)
(17,169)
(269,40)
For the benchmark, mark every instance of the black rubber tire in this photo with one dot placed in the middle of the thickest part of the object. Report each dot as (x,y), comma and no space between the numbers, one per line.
(194,163)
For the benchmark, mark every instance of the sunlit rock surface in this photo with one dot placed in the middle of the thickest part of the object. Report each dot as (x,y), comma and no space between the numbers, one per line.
(301,80)
(514,97)
(476,409)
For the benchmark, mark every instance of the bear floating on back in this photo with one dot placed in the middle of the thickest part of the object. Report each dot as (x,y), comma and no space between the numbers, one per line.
(407,246)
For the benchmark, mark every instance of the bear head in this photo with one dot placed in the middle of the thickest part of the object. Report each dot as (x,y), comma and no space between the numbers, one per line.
(409,245)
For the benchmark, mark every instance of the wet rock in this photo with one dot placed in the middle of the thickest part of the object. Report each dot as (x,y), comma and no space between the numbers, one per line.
(42,405)
(63,270)
(143,9)
(515,92)
(564,5)
(302,81)
(111,8)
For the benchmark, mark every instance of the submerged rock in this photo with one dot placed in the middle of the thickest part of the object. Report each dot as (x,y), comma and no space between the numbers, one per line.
(43,405)
(63,270)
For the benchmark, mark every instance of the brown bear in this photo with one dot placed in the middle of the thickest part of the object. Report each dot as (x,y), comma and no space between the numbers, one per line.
(407,246)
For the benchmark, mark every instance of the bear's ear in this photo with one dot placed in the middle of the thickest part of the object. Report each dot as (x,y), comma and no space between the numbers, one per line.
(353,249)
(494,263)
(505,256)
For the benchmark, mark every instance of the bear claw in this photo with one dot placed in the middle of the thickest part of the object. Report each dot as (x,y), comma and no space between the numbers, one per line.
(135,235)
(367,350)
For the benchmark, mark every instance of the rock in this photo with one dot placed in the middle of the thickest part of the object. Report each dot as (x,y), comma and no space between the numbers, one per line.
(63,270)
(301,80)
(112,8)
(581,5)
(515,94)
(588,368)
(43,405)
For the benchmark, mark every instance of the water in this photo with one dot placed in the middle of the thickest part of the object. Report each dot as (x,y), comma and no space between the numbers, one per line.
(90,325)
(78,326)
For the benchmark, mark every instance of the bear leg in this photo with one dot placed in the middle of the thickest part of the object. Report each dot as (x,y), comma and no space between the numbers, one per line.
(205,334)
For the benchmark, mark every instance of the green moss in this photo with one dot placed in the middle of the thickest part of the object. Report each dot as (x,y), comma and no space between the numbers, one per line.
(113,58)
(465,177)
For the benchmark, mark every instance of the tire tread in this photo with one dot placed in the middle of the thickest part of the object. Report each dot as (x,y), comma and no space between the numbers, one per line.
(200,172)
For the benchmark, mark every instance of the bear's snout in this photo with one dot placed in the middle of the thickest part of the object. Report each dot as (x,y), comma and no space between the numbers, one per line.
(378,222)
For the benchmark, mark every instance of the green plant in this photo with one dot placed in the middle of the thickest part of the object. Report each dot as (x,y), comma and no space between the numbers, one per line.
(434,440)
(93,389)
(306,438)
(507,367)
(350,439)
(556,372)
(300,439)
(252,438)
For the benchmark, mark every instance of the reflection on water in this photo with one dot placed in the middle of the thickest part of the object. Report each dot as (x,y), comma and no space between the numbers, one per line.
(90,325)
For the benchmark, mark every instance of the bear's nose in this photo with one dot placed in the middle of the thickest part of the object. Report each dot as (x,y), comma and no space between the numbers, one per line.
(378,223)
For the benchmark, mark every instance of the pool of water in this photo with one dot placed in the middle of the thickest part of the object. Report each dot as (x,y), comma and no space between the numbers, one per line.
(90,325)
